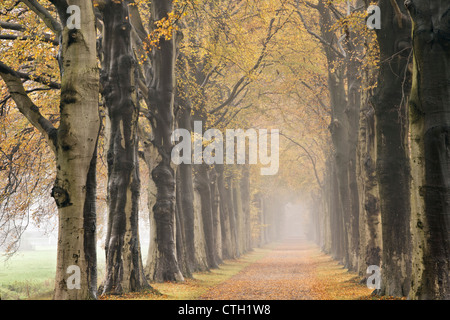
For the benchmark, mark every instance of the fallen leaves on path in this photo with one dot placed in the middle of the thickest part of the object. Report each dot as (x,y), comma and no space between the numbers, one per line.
(294,270)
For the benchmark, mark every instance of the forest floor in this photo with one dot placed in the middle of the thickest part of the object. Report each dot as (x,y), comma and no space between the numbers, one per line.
(294,269)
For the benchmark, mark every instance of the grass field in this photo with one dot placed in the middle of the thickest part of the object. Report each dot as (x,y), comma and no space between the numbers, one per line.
(30,275)
(27,274)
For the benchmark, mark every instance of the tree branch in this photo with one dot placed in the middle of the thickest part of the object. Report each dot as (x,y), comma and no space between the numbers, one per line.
(46,38)
(315,35)
(243,81)
(48,19)
(39,79)
(398,13)
(61,6)
(26,105)
(313,162)
(11,26)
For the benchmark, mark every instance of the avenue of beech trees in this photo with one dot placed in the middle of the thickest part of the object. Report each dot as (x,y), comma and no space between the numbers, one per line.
(340,108)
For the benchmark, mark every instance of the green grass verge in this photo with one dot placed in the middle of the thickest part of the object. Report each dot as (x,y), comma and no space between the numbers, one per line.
(27,274)
(30,275)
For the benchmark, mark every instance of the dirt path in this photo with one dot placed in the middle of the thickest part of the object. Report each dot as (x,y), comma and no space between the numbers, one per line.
(294,270)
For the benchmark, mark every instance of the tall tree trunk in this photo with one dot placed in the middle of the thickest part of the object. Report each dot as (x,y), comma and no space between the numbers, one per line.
(370,216)
(326,206)
(246,207)
(430,149)
(163,175)
(339,129)
(232,215)
(202,184)
(215,206)
(227,246)
(124,268)
(74,188)
(150,156)
(237,200)
(180,231)
(352,113)
(185,190)
(199,230)
(263,221)
(75,158)
(336,220)
(393,173)
(75,147)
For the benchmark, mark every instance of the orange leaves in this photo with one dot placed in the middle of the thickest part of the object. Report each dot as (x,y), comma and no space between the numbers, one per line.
(293,271)
(149,294)
(166,27)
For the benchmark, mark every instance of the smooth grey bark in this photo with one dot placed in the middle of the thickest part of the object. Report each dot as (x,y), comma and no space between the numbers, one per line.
(194,239)
(161,96)
(229,199)
(124,267)
(336,220)
(246,207)
(227,244)
(370,216)
(237,202)
(182,255)
(392,167)
(150,156)
(215,207)
(430,149)
(185,190)
(326,207)
(352,113)
(340,195)
(202,185)
(74,143)
(75,157)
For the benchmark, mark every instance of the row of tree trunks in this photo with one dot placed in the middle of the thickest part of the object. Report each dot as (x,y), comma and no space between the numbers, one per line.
(396,204)
(206,198)
(376,134)
(361,223)
(344,100)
